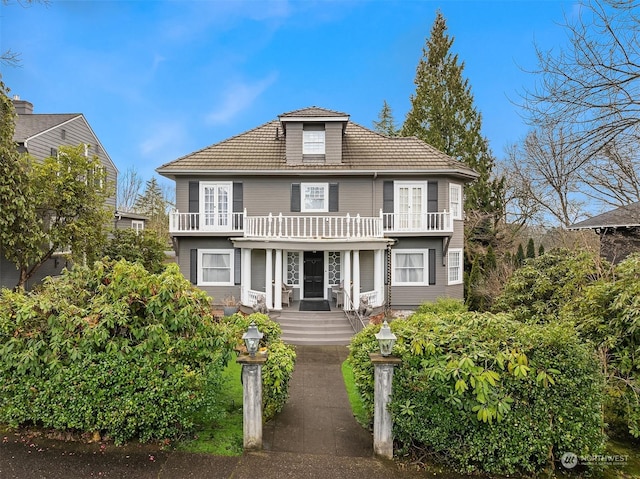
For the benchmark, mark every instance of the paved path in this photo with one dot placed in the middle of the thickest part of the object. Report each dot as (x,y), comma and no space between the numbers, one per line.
(315,436)
(317,419)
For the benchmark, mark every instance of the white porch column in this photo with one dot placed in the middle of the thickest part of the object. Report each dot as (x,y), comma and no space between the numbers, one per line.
(378,276)
(277,289)
(347,280)
(246,276)
(268,278)
(356,278)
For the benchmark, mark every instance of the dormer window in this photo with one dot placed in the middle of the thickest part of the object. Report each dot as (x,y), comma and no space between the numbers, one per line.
(313,139)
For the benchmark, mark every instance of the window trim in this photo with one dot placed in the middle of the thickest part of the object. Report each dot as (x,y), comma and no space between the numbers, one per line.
(303,208)
(320,146)
(230,252)
(460,266)
(425,267)
(137,225)
(202,186)
(456,215)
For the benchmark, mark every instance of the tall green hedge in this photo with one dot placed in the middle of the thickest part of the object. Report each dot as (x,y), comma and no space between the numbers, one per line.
(483,392)
(113,349)
(278,368)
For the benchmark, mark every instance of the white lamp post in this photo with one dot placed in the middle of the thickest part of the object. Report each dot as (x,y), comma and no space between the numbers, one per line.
(386,339)
(252,339)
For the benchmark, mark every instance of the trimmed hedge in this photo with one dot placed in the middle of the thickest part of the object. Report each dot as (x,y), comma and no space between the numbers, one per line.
(482,392)
(113,349)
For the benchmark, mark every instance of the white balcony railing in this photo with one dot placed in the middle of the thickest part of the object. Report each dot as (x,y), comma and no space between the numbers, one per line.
(440,222)
(308,227)
(195,222)
(311,227)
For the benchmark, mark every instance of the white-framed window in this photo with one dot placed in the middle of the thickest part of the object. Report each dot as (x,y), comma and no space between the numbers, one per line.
(455,263)
(410,267)
(215,205)
(313,140)
(455,201)
(215,267)
(137,225)
(314,197)
(410,204)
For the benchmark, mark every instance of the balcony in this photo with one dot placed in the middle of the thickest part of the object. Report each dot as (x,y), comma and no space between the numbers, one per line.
(311,227)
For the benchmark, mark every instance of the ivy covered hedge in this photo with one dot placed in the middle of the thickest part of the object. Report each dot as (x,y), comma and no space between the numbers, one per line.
(113,349)
(278,369)
(483,392)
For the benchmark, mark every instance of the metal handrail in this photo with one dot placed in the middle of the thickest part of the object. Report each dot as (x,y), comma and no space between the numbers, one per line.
(357,321)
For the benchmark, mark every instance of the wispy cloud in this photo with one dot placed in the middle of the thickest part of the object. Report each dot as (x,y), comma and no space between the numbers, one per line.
(237,98)
(162,137)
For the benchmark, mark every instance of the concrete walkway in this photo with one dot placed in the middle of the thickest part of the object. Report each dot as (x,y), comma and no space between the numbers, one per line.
(317,419)
(315,436)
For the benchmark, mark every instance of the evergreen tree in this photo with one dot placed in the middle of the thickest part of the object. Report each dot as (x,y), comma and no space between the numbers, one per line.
(443,114)
(519,260)
(540,250)
(386,123)
(153,204)
(531,249)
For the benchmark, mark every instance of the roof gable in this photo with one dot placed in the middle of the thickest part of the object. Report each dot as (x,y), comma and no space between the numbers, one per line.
(34,124)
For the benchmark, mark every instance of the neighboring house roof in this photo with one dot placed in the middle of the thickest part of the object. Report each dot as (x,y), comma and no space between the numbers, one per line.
(130,215)
(262,150)
(31,125)
(624,216)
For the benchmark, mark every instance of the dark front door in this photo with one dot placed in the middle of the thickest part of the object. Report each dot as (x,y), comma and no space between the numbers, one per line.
(313,274)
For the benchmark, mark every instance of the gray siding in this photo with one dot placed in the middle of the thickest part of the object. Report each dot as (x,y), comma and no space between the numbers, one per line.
(294,143)
(9,274)
(361,195)
(333,142)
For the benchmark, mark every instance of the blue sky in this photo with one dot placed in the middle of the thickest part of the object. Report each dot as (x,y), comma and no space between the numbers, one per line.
(159,79)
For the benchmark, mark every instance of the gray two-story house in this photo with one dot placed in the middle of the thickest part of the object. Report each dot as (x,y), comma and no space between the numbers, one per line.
(41,135)
(313,203)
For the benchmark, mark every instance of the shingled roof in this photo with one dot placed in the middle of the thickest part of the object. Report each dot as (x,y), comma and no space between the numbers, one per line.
(30,125)
(624,216)
(262,149)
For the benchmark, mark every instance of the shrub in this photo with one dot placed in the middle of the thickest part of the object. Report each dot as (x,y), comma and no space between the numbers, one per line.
(145,247)
(537,291)
(113,349)
(608,314)
(278,369)
(483,392)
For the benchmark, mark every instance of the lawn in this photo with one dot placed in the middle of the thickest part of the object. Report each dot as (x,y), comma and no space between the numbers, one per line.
(354,397)
(224,437)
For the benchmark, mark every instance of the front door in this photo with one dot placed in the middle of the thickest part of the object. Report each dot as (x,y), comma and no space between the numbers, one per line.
(313,274)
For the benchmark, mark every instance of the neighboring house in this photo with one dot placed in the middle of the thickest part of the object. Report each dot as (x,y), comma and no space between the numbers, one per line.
(41,135)
(619,231)
(313,202)
(128,220)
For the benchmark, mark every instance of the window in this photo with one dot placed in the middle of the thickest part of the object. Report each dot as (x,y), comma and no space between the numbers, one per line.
(215,267)
(137,225)
(215,205)
(313,140)
(455,266)
(315,197)
(409,205)
(410,268)
(455,201)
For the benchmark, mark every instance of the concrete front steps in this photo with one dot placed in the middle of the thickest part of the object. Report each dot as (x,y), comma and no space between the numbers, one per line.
(318,328)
